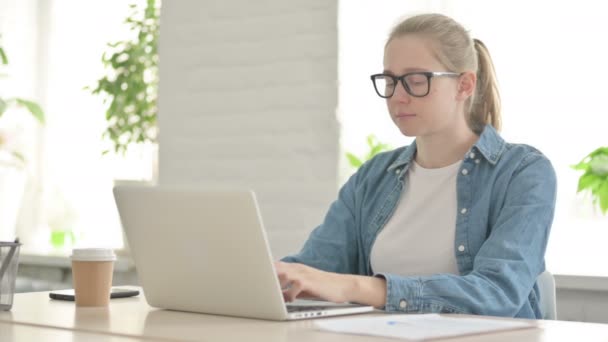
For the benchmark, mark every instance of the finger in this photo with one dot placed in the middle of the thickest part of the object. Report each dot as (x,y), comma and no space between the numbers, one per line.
(283,280)
(307,295)
(282,274)
(292,292)
(279,265)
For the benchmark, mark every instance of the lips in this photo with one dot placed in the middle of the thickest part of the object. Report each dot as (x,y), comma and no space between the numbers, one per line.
(405,115)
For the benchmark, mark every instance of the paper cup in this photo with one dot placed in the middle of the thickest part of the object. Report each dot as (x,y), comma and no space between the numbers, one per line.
(92,270)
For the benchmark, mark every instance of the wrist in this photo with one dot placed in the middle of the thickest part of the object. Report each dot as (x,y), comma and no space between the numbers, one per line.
(365,290)
(346,287)
(352,289)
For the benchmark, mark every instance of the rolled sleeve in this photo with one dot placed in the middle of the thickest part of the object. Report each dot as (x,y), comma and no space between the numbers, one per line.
(406,294)
(402,294)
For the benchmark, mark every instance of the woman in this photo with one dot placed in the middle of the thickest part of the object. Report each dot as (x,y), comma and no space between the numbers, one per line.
(459,220)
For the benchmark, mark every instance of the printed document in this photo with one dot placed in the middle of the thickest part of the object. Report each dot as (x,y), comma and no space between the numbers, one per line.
(419,327)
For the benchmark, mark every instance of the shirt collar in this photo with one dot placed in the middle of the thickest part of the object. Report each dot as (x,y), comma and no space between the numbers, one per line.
(405,157)
(490,144)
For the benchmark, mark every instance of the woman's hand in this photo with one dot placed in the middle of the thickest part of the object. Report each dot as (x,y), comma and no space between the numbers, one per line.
(301,281)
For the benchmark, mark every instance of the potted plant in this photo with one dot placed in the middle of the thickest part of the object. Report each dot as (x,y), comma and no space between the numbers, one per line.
(130,86)
(374,147)
(595,177)
(12,161)
(130,89)
(7,103)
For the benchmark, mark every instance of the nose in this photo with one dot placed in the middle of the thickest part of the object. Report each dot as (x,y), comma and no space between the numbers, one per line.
(401,94)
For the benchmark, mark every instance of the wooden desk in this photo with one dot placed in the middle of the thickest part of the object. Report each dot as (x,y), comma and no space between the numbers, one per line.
(133,318)
(18,332)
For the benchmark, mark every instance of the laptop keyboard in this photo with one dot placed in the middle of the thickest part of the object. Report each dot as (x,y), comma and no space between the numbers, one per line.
(300,308)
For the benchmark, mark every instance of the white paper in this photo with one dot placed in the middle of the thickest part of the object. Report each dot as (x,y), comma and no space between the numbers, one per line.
(418,327)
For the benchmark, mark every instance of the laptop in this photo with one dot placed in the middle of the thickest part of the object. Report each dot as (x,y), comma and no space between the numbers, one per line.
(206,251)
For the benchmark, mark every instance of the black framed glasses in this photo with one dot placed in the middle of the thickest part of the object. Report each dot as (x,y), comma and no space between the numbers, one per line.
(417,84)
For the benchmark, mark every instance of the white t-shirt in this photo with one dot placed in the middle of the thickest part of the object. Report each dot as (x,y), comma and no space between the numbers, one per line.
(419,238)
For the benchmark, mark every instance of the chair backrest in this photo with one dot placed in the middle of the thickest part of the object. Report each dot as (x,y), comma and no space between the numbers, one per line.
(546,285)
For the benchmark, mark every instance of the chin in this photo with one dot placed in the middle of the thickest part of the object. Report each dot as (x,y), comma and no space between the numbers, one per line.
(409,131)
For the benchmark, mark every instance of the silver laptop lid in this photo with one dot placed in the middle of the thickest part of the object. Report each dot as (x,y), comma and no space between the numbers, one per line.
(201,250)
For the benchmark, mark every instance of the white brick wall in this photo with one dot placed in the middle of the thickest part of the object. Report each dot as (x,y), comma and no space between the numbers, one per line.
(248,94)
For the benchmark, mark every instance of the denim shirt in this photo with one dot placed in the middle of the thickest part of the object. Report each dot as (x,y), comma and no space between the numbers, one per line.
(505,206)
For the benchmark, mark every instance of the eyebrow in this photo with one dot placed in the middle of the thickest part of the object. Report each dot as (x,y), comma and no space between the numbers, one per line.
(405,71)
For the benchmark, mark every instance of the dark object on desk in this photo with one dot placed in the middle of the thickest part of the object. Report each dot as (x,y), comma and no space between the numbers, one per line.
(117,292)
(9,261)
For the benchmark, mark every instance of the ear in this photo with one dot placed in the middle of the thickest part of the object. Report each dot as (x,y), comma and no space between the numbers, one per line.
(466,85)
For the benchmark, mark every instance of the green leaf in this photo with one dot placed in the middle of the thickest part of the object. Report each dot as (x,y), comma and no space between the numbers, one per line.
(19,156)
(595,177)
(33,108)
(353,160)
(375,147)
(3,106)
(375,150)
(588,181)
(583,165)
(599,151)
(599,165)
(602,194)
(371,140)
(3,58)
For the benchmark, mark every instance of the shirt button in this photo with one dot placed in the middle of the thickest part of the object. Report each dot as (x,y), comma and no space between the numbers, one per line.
(402,304)
(461,248)
(476,161)
(465,172)
(397,171)
(463,211)
(472,155)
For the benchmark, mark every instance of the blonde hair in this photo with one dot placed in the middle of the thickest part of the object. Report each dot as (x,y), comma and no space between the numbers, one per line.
(455,49)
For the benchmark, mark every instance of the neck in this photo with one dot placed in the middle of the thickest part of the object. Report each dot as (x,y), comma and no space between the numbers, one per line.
(444,148)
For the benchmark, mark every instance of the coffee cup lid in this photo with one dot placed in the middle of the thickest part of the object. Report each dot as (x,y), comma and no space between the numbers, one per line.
(93,254)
